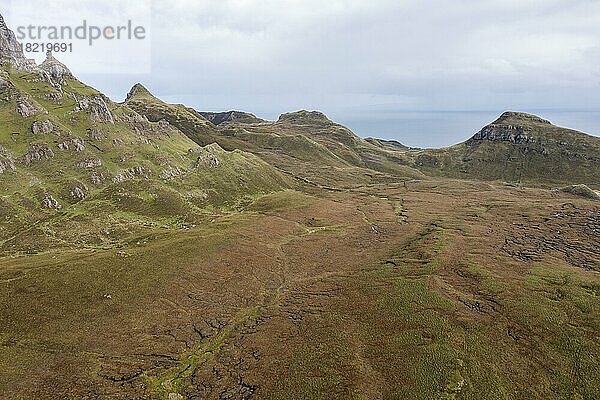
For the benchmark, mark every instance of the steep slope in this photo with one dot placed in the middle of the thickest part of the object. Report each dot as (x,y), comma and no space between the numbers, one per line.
(69,155)
(520,147)
(187,120)
(301,143)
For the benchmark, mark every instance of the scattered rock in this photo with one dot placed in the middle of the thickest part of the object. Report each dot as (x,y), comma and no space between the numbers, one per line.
(96,134)
(206,156)
(131,173)
(37,152)
(581,191)
(76,143)
(6,161)
(78,193)
(97,178)
(42,127)
(96,105)
(171,172)
(51,202)
(26,108)
(54,96)
(90,163)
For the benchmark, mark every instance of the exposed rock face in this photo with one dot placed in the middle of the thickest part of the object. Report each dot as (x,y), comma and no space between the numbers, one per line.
(131,173)
(26,108)
(171,172)
(76,143)
(231,116)
(89,164)
(5,84)
(516,134)
(56,70)
(206,156)
(51,202)
(6,161)
(11,51)
(305,118)
(37,152)
(78,192)
(513,127)
(42,127)
(98,108)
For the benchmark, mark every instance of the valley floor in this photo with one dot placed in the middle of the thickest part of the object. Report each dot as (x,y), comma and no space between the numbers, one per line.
(417,290)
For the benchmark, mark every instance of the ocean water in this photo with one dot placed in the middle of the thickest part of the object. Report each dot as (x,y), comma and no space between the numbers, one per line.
(443,128)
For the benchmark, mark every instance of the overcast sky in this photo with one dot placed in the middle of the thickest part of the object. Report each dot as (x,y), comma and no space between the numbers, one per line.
(348,57)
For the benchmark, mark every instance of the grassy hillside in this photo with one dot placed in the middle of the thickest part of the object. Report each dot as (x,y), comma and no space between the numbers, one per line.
(69,155)
(522,148)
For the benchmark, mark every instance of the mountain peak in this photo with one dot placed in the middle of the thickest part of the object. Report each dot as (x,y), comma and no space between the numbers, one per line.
(304,117)
(138,91)
(515,117)
(57,70)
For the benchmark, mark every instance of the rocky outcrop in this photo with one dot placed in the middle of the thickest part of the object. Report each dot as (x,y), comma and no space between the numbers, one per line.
(514,117)
(37,152)
(78,192)
(6,161)
(218,118)
(51,202)
(516,134)
(75,143)
(57,71)
(5,84)
(97,107)
(137,90)
(26,108)
(131,173)
(11,51)
(171,173)
(206,156)
(304,117)
(42,127)
(513,127)
(90,163)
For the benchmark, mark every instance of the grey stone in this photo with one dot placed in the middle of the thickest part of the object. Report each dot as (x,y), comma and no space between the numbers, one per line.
(51,202)
(42,127)
(37,152)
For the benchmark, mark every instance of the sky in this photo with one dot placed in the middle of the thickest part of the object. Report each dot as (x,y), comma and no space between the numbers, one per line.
(356,60)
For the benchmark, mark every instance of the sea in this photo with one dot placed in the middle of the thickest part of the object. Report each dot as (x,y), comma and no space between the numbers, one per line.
(433,129)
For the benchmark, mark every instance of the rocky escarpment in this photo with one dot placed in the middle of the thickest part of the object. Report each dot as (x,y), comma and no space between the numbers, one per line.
(305,117)
(11,51)
(513,127)
(219,118)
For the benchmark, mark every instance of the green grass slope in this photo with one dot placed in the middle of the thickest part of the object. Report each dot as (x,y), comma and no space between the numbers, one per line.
(520,147)
(69,155)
